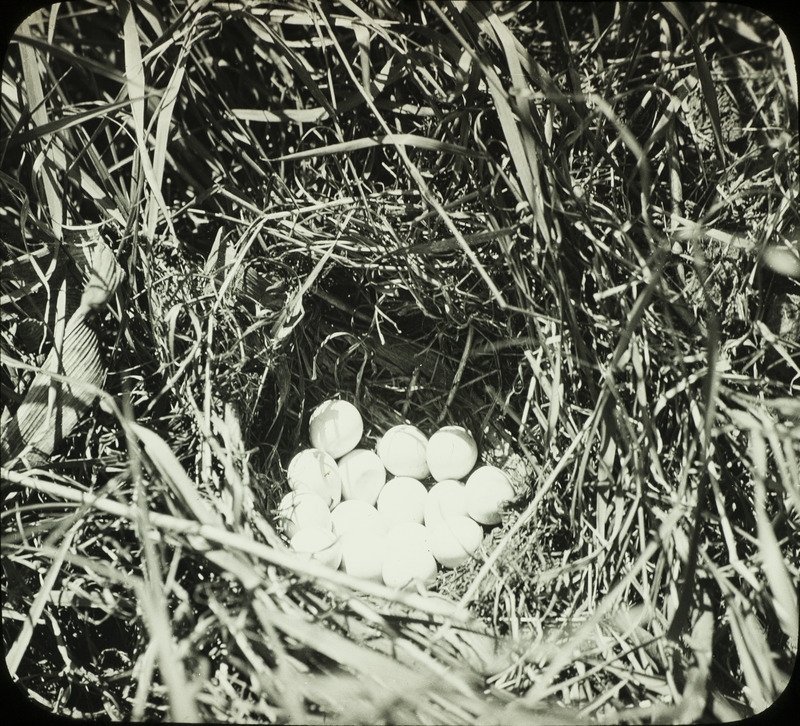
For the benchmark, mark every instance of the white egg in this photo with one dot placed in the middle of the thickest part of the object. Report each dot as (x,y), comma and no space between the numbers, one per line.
(403,451)
(319,544)
(487,489)
(454,540)
(363,475)
(363,556)
(402,499)
(300,509)
(408,535)
(452,452)
(335,427)
(407,568)
(354,516)
(446,498)
(316,471)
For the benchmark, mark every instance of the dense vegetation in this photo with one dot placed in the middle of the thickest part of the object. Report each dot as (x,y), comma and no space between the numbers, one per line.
(572,228)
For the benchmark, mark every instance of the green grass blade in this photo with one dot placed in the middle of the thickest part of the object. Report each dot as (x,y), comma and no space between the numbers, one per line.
(65,123)
(418,142)
(38,109)
(137,90)
(706,82)
(163,114)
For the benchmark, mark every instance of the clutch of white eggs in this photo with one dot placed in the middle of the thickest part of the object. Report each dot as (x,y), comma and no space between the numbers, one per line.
(371,514)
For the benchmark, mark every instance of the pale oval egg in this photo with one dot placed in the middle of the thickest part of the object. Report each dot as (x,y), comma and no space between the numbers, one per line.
(402,499)
(408,568)
(451,453)
(403,451)
(300,509)
(408,535)
(316,471)
(363,475)
(319,544)
(354,516)
(446,498)
(335,427)
(454,540)
(363,556)
(487,489)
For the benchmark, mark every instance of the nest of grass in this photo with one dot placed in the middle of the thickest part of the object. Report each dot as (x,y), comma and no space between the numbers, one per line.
(563,227)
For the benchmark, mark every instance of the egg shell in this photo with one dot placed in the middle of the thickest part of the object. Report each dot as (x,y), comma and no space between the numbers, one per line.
(446,498)
(408,568)
(403,451)
(454,540)
(402,499)
(452,452)
(407,535)
(335,427)
(363,475)
(316,471)
(354,516)
(363,556)
(487,489)
(300,509)
(319,544)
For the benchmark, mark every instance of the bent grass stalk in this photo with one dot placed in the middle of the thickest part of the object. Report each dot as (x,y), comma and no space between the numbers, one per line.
(198,532)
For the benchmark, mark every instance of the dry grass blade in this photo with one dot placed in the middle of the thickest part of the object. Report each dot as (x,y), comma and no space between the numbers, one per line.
(154,611)
(17,650)
(169,468)
(567,650)
(226,540)
(706,82)
(784,594)
(764,681)
(521,521)
(347,654)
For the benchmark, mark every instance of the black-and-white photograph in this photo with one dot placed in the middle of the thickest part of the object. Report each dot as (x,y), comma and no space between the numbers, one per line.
(373,362)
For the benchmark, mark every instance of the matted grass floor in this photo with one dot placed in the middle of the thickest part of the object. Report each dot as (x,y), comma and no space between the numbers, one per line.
(571,228)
